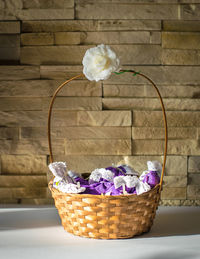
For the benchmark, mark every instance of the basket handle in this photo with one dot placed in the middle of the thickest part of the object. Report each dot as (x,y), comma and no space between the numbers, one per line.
(121,71)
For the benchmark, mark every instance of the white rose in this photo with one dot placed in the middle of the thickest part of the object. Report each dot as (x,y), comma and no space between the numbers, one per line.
(99,62)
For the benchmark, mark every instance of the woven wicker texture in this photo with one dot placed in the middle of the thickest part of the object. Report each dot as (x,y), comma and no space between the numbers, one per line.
(106,217)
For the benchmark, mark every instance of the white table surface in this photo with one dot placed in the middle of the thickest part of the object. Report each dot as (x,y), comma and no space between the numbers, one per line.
(36,232)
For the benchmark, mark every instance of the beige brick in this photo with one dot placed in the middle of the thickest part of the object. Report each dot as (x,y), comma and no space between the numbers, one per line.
(194,164)
(67,103)
(28,88)
(104,118)
(23,164)
(9,41)
(190,203)
(193,192)
(17,193)
(190,12)
(175,119)
(155,37)
(181,40)
(180,57)
(89,163)
(127,11)
(79,132)
(13,4)
(194,179)
(136,90)
(37,39)
(9,133)
(148,119)
(59,26)
(68,38)
(23,181)
(58,72)
(138,54)
(74,103)
(175,147)
(7,15)
(150,104)
(148,147)
(180,203)
(43,4)
(189,91)
(162,75)
(165,202)
(174,181)
(42,201)
(184,147)
(81,2)
(10,27)
(19,72)
(9,55)
(73,55)
(128,25)
(82,88)
(173,193)
(98,147)
(115,90)
(53,55)
(158,133)
(44,14)
(99,37)
(139,163)
(115,37)
(181,26)
(44,88)
(90,25)
(165,75)
(9,201)
(134,37)
(30,147)
(20,104)
(176,165)
(37,118)
(2,4)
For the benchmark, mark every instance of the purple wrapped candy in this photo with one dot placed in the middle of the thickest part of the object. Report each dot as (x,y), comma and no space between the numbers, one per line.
(81,181)
(119,191)
(117,171)
(122,169)
(91,189)
(128,170)
(151,178)
(97,188)
(103,187)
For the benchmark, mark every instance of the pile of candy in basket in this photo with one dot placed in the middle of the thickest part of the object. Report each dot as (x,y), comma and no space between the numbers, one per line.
(113,180)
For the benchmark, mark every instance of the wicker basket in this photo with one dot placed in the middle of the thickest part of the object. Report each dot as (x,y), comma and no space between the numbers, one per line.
(107,217)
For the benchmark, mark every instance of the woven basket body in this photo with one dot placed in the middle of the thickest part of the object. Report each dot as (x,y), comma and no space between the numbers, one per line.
(106,217)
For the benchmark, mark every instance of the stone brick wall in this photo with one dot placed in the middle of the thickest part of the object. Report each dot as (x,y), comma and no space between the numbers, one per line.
(96,124)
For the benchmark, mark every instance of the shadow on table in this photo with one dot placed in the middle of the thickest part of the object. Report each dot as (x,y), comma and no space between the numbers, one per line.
(172,255)
(180,221)
(29,218)
(168,222)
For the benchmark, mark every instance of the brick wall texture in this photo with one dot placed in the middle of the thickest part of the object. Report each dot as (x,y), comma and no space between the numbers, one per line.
(42,43)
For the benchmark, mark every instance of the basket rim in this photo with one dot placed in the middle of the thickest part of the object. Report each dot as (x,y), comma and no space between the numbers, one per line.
(56,191)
